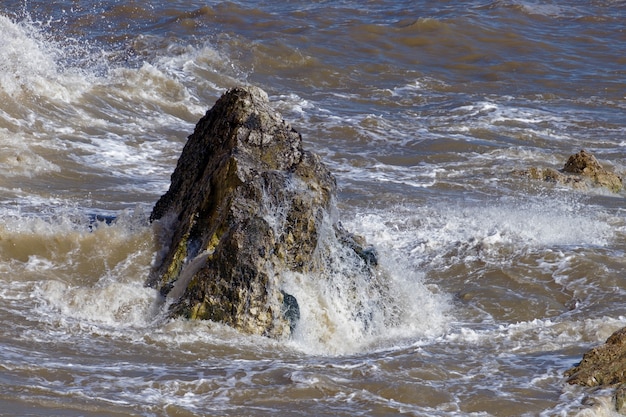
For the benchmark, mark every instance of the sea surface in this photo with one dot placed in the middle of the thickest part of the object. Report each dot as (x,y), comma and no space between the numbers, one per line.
(421,109)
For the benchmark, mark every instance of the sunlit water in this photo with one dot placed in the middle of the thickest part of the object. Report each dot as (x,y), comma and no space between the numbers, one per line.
(421,109)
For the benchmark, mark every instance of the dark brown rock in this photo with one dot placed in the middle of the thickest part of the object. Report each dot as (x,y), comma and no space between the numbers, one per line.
(245,205)
(620,399)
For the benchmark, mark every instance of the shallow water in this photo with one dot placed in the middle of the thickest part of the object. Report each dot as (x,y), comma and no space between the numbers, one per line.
(421,109)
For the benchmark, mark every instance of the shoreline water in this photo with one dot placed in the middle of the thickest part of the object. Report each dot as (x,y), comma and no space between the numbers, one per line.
(421,110)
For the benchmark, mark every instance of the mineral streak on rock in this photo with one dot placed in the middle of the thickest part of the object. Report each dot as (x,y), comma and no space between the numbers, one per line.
(580,171)
(245,204)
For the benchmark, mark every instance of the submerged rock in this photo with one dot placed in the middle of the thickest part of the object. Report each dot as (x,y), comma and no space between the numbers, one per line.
(604,366)
(580,171)
(245,206)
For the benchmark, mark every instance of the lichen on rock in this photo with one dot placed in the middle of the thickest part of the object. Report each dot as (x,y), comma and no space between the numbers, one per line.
(245,205)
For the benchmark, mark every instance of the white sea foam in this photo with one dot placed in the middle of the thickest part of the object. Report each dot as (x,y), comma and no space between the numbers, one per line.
(438,236)
(345,310)
(81,271)
(20,159)
(112,304)
(292,106)
(513,115)
(550,10)
(493,231)
(28,65)
(126,124)
(538,335)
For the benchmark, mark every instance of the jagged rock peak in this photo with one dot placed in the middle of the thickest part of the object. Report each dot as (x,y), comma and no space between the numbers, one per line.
(245,206)
(242,121)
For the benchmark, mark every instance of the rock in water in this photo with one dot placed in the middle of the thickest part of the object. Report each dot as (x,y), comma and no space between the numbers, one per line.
(245,204)
(604,366)
(585,164)
(580,171)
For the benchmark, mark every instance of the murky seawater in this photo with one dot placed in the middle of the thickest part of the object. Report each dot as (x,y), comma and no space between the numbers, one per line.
(421,109)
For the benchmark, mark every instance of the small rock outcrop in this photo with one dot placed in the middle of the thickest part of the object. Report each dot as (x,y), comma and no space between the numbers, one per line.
(604,366)
(245,205)
(580,171)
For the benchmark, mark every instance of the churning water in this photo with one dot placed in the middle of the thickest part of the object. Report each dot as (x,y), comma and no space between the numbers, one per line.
(496,284)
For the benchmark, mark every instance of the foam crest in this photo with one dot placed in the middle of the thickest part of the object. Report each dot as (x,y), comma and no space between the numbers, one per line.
(487,230)
(67,106)
(111,304)
(29,65)
(19,159)
(548,10)
(538,335)
(423,176)
(502,112)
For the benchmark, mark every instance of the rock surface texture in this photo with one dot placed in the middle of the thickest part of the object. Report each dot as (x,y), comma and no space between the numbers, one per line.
(245,205)
(604,366)
(580,171)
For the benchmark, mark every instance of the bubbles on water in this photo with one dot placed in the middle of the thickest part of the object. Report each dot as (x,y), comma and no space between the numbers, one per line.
(110,304)
(500,261)
(20,160)
(492,229)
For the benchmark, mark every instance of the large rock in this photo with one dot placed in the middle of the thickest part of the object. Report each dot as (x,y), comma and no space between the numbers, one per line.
(604,366)
(245,205)
(580,171)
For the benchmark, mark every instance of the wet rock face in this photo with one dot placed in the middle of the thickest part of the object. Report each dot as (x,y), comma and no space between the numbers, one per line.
(580,171)
(604,366)
(245,205)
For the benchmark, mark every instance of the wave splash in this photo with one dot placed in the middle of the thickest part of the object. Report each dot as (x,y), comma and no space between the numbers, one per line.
(88,277)
(347,310)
